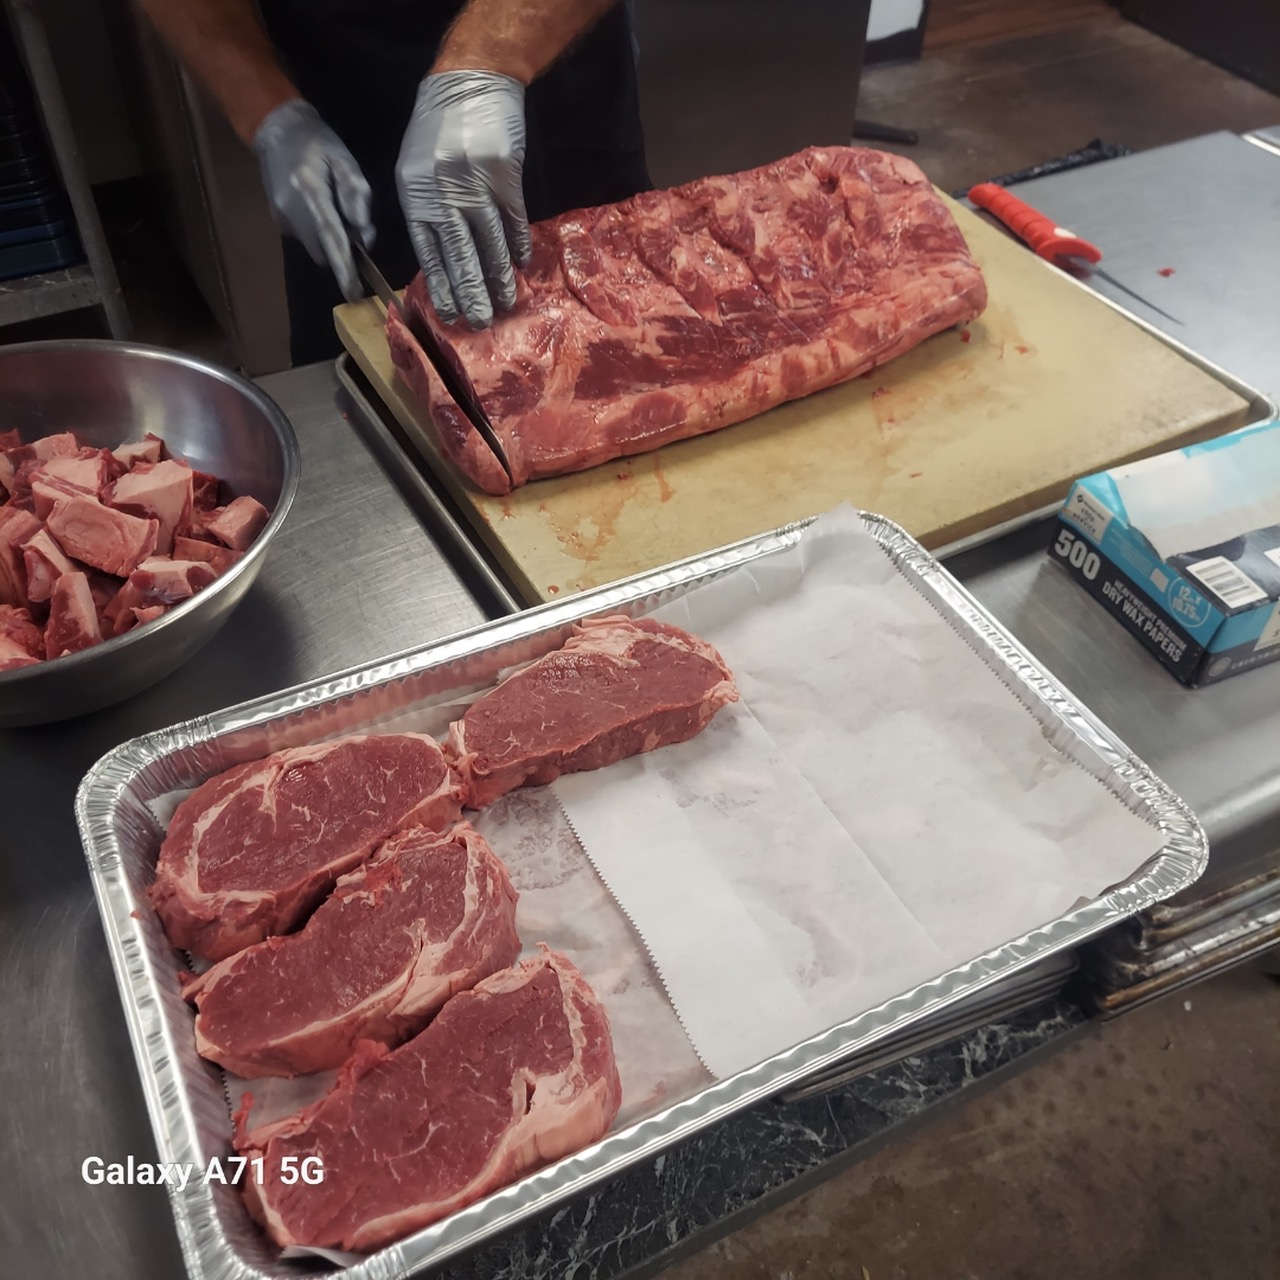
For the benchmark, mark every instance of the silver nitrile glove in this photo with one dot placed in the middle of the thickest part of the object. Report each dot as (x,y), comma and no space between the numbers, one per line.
(315,187)
(459,175)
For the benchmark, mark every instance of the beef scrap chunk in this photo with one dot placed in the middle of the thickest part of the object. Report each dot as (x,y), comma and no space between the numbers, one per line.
(45,563)
(161,490)
(155,585)
(16,526)
(238,523)
(21,640)
(87,474)
(63,444)
(219,559)
(73,621)
(149,449)
(142,529)
(101,537)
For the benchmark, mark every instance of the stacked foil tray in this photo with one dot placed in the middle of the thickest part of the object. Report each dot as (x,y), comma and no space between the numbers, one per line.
(185,1095)
(1172,945)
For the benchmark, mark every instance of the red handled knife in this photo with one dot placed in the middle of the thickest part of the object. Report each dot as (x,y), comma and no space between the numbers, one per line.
(1053,243)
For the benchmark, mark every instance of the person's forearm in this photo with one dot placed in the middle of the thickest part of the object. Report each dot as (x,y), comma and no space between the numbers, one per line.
(222,44)
(519,38)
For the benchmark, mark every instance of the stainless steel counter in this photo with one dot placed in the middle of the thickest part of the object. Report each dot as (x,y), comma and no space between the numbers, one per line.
(1158,216)
(353,576)
(1204,211)
(1218,747)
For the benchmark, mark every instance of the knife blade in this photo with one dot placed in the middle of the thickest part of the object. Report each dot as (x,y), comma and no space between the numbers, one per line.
(1082,269)
(428,341)
(1067,251)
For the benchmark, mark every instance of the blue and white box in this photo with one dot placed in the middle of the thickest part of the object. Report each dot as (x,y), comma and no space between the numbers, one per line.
(1183,550)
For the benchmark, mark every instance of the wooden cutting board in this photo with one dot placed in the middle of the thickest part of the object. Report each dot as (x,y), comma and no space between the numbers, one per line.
(970,429)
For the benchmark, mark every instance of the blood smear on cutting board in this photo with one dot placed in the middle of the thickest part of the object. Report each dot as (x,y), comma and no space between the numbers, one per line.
(965,335)
(1166,272)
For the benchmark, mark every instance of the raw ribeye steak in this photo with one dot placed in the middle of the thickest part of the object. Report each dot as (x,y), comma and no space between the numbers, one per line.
(427,916)
(677,312)
(511,1075)
(252,851)
(619,686)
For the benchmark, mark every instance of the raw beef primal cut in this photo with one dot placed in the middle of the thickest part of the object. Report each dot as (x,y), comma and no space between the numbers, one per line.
(618,686)
(252,851)
(511,1075)
(427,916)
(677,312)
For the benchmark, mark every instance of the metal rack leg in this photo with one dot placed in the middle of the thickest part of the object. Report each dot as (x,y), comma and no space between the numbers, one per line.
(870,131)
(30,32)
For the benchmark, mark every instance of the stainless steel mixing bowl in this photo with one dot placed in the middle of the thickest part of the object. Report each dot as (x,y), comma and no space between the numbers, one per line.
(110,392)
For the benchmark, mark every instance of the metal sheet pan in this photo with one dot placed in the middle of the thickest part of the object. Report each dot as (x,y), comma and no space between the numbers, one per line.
(436,510)
(185,1095)
(1167,922)
(1261,406)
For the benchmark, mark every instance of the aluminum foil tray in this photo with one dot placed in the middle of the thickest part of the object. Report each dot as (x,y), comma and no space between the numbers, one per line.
(185,1095)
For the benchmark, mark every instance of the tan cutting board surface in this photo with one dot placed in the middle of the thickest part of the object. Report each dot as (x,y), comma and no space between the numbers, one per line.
(968,430)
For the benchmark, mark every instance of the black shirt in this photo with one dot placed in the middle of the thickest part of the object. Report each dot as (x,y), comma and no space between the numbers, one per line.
(359,62)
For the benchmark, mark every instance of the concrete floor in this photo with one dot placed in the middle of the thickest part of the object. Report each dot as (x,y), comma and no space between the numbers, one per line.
(1151,1148)
(992,108)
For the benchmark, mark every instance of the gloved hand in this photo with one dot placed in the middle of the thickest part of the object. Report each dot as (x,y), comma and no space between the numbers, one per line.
(460,181)
(314,183)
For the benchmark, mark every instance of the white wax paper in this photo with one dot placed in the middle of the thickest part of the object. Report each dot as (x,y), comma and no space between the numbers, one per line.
(1182,502)
(879,808)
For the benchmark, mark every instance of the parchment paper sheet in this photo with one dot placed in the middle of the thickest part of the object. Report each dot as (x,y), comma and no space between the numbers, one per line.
(878,809)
